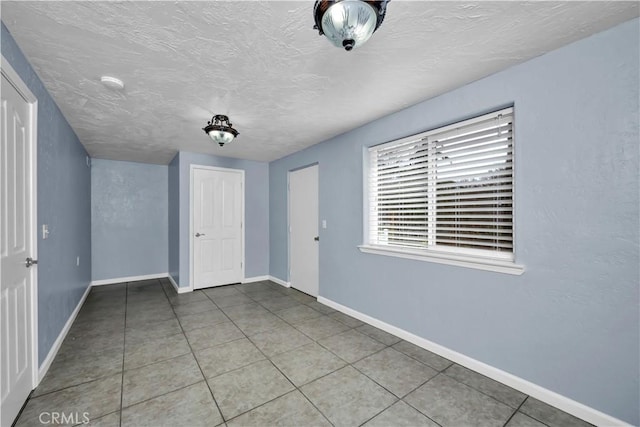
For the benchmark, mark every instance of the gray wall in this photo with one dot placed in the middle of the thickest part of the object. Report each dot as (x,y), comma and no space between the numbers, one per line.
(571,322)
(64,203)
(129,219)
(256,212)
(174,218)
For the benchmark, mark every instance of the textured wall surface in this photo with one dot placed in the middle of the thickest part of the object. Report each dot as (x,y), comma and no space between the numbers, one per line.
(570,323)
(64,203)
(256,210)
(129,219)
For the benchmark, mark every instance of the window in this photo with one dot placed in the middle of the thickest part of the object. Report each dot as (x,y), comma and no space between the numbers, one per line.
(446,194)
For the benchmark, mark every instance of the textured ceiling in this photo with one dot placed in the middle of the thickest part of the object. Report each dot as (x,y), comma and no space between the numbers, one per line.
(283,86)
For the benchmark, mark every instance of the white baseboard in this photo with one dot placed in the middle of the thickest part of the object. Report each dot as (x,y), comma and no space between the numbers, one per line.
(280,281)
(552,398)
(184,289)
(53,351)
(180,290)
(255,279)
(128,279)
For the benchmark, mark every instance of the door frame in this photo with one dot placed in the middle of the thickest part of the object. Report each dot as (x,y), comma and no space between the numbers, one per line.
(14,78)
(317,164)
(192,168)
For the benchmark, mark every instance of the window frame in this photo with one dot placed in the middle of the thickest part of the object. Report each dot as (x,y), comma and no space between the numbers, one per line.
(463,257)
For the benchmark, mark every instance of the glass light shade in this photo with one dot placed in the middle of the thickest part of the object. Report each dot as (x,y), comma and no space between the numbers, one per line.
(349,23)
(221,137)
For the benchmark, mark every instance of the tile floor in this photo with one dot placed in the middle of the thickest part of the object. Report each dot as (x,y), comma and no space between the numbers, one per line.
(257,354)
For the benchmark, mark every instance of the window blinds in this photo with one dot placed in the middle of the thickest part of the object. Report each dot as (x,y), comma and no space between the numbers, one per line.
(450,188)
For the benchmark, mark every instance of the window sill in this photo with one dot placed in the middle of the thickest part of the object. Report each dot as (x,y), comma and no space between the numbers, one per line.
(460,260)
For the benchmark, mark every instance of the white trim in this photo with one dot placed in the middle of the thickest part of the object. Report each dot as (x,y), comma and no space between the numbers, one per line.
(482,259)
(366,164)
(242,209)
(552,398)
(128,279)
(61,336)
(255,279)
(460,260)
(14,78)
(178,289)
(280,281)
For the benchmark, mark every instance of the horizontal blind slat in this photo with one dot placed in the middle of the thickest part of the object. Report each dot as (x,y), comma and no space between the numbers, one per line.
(505,190)
(403,185)
(475,171)
(476,178)
(491,148)
(482,236)
(460,133)
(482,230)
(480,217)
(390,148)
(444,223)
(400,172)
(499,204)
(475,244)
(470,186)
(474,209)
(475,141)
(401,157)
(497,158)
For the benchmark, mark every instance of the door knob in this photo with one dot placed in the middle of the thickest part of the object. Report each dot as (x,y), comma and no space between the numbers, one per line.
(30,261)
(317,238)
(199,234)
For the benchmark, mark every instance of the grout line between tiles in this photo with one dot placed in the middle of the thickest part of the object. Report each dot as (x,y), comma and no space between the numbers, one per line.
(31,397)
(193,354)
(418,360)
(516,411)
(378,413)
(443,372)
(295,388)
(410,405)
(124,350)
(161,395)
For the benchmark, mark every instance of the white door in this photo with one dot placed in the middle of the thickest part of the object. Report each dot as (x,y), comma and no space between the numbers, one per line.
(303,223)
(217,221)
(16,245)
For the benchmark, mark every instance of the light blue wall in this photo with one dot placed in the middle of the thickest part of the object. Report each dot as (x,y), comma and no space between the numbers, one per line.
(174,218)
(571,322)
(129,219)
(256,211)
(64,203)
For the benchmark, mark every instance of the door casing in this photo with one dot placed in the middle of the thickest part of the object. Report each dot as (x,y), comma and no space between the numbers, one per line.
(191,209)
(32,222)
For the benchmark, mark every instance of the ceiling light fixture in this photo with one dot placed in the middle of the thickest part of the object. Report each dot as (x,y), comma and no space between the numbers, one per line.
(348,23)
(220,132)
(112,82)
